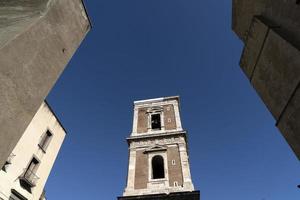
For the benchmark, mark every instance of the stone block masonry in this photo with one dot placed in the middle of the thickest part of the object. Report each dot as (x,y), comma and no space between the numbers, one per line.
(270,31)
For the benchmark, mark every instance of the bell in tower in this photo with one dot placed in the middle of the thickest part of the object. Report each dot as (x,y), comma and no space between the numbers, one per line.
(158,154)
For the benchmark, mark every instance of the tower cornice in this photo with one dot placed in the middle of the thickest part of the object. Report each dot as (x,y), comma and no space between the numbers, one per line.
(155,100)
(155,136)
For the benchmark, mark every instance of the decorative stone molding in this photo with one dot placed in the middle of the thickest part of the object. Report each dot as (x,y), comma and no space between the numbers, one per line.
(162,141)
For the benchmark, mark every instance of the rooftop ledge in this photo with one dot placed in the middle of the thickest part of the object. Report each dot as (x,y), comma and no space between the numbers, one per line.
(139,102)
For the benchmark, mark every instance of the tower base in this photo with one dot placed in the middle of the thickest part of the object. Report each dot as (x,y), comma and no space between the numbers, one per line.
(195,195)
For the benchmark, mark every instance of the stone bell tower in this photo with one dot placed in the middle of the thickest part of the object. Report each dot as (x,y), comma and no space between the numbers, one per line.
(158,154)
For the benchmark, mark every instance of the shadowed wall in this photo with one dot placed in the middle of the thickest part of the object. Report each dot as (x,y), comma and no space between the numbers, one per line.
(271,58)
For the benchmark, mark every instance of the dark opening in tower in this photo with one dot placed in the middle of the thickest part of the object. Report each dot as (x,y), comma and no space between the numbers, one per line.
(155,122)
(158,167)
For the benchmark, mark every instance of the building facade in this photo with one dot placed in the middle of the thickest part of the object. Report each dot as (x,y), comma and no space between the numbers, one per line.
(25,172)
(37,40)
(270,31)
(158,153)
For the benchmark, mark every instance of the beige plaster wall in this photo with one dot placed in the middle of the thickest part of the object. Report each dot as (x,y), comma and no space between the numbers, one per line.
(26,148)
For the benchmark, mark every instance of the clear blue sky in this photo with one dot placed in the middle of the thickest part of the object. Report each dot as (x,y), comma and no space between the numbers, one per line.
(141,49)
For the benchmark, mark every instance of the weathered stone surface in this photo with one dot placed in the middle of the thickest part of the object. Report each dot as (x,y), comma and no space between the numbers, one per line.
(253,46)
(242,14)
(16,15)
(277,73)
(289,124)
(283,13)
(37,39)
(195,195)
(271,57)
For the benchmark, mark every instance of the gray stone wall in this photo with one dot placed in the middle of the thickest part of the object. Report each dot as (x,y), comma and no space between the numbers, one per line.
(282,13)
(271,58)
(16,15)
(37,39)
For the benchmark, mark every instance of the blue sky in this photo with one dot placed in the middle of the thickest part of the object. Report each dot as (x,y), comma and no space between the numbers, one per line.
(141,49)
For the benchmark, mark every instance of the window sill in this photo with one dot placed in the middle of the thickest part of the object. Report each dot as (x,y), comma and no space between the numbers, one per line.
(158,180)
(43,150)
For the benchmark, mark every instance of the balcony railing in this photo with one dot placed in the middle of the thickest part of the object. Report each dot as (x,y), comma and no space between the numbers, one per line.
(29,177)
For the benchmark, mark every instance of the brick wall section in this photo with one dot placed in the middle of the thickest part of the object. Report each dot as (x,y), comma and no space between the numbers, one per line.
(142,122)
(141,172)
(169,117)
(175,171)
(195,195)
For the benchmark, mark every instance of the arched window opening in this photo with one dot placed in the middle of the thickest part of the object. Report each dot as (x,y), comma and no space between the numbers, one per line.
(158,170)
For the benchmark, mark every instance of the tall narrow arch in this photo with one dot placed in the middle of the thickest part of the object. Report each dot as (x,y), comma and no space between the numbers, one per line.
(158,169)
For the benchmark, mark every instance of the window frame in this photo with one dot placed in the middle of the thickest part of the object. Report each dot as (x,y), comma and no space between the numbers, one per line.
(15,194)
(161,159)
(36,166)
(163,154)
(45,140)
(160,121)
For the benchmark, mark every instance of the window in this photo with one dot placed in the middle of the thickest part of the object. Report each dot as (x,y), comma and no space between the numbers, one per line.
(16,196)
(45,140)
(175,184)
(32,167)
(158,170)
(29,178)
(155,122)
(173,162)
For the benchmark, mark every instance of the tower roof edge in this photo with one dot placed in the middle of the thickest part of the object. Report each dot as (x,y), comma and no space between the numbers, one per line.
(160,99)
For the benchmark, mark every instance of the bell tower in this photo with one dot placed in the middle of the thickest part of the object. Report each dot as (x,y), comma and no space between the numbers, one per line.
(158,154)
